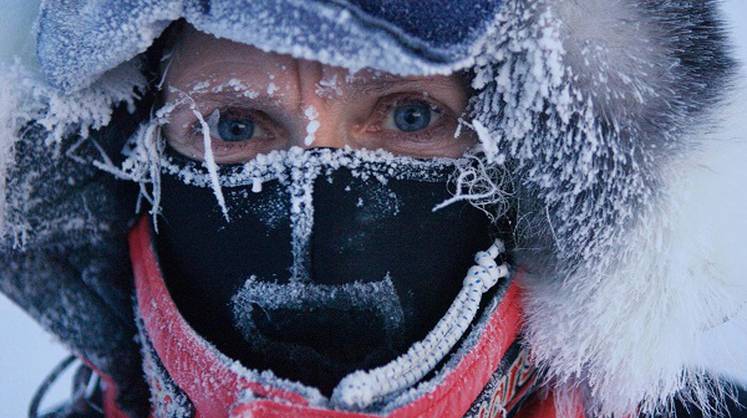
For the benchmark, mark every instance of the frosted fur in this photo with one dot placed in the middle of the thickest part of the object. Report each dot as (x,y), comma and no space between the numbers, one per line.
(24,100)
(630,275)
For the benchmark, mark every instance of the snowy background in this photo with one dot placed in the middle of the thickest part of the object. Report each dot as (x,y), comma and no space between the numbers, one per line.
(27,353)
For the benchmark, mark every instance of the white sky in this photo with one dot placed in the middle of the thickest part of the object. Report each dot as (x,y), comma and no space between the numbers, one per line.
(27,353)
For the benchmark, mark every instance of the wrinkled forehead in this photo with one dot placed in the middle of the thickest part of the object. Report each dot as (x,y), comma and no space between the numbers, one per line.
(198,57)
(201,61)
(79,40)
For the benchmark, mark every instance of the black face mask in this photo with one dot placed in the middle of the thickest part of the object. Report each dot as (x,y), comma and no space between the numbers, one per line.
(333,260)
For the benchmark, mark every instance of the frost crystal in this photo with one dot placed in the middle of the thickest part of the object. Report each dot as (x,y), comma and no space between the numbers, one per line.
(271,88)
(328,87)
(25,101)
(361,388)
(313,125)
(210,164)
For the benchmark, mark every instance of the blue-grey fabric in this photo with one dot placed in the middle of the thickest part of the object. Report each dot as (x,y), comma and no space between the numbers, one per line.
(78,40)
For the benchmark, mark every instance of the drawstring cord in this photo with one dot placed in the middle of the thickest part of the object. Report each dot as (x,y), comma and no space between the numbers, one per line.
(361,388)
(85,384)
(46,383)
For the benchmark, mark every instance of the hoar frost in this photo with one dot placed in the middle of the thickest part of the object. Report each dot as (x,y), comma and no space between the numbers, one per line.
(312,115)
(360,389)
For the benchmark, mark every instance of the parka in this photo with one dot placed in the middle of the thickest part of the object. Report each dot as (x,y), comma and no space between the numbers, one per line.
(618,123)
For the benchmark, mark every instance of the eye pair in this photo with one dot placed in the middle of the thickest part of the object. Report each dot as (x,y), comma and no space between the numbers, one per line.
(405,116)
(411,123)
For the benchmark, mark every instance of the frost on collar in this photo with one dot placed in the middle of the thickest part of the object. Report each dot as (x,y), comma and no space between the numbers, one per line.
(79,40)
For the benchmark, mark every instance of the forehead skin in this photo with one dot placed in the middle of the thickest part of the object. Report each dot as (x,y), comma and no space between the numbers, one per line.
(201,58)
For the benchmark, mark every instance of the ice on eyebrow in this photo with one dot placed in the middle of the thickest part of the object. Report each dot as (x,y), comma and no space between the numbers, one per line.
(328,86)
(236,85)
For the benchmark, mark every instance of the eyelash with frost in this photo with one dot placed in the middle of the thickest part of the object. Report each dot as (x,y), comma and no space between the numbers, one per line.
(210,163)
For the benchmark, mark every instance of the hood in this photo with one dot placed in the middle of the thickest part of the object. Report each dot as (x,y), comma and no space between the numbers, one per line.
(618,121)
(76,43)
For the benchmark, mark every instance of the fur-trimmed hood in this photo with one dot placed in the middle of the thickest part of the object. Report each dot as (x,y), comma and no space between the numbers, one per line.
(620,122)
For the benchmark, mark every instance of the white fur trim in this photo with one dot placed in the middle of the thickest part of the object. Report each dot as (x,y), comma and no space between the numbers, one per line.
(674,313)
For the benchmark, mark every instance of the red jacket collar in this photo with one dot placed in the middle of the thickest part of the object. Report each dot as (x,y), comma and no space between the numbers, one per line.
(217,386)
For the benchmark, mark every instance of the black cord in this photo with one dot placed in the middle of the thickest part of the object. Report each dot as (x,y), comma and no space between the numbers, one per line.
(48,381)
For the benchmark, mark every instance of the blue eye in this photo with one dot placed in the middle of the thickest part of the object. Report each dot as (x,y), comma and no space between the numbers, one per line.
(411,117)
(235,128)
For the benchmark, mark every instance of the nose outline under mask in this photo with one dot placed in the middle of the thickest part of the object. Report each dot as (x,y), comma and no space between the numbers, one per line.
(256,302)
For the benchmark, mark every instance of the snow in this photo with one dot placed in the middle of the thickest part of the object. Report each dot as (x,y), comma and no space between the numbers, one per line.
(27,355)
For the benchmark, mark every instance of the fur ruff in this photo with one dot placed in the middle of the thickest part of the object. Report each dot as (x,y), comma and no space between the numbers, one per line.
(627,162)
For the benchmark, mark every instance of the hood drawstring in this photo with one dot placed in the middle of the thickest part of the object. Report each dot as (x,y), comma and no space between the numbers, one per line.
(86,390)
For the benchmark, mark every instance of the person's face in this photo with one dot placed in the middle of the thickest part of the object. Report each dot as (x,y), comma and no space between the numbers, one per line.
(255,102)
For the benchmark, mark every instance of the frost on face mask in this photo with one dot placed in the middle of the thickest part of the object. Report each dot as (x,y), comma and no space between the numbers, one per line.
(298,170)
(266,313)
(475,180)
(332,238)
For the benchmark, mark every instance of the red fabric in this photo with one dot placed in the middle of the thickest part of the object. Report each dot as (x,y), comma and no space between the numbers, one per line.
(110,393)
(213,382)
(111,409)
(543,406)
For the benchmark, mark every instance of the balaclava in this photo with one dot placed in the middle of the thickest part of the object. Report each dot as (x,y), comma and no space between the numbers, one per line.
(325,261)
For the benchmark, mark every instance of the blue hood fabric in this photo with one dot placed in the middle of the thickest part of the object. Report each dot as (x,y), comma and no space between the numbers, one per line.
(79,40)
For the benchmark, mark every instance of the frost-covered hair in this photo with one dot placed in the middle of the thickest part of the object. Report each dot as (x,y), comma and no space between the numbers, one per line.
(617,122)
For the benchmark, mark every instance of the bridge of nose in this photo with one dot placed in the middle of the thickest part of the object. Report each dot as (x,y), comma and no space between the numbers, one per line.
(323,114)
